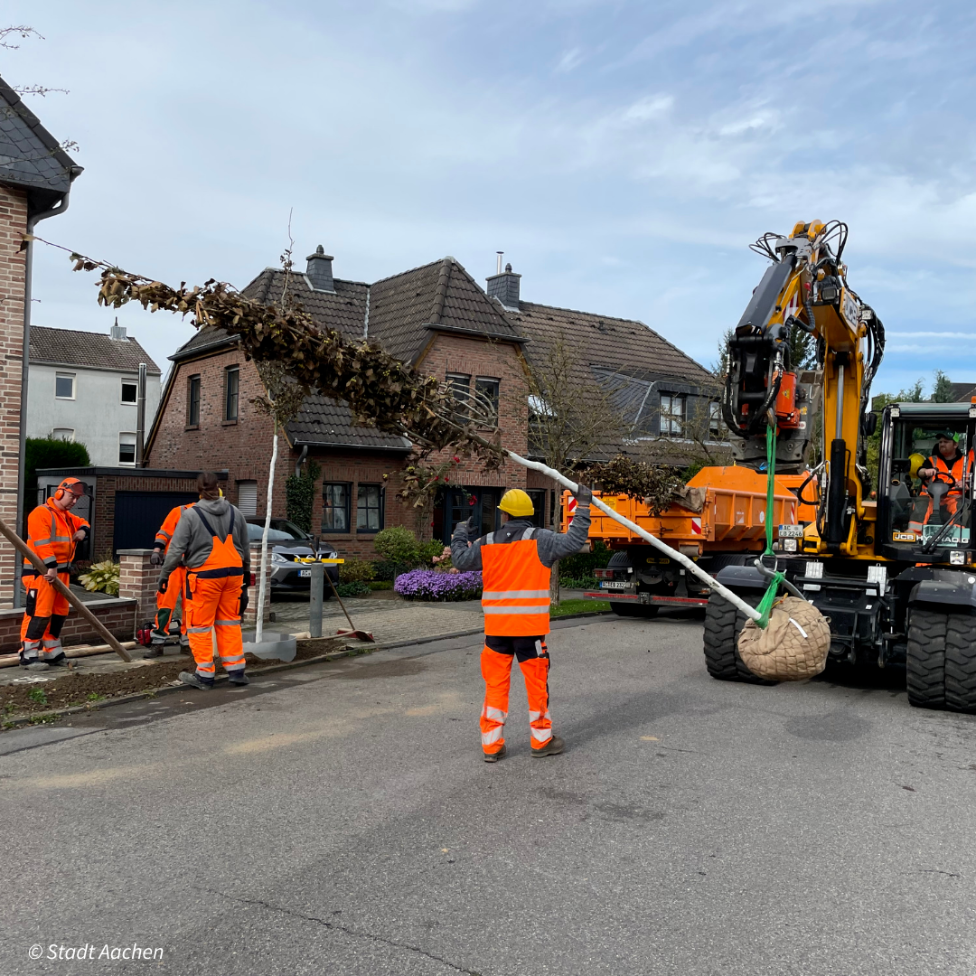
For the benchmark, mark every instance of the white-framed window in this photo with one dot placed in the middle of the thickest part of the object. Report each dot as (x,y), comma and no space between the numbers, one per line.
(64,386)
(63,433)
(715,419)
(130,391)
(127,447)
(672,415)
(247,497)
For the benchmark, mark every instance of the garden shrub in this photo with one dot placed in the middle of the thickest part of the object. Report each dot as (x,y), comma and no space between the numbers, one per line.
(425,584)
(357,571)
(102,577)
(380,585)
(358,588)
(397,545)
(426,551)
(582,564)
(579,582)
(385,570)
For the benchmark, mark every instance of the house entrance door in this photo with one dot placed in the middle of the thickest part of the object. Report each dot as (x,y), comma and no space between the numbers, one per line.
(460,504)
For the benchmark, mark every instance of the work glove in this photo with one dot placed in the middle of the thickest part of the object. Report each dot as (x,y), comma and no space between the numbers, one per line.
(156,559)
(245,599)
(583,495)
(161,586)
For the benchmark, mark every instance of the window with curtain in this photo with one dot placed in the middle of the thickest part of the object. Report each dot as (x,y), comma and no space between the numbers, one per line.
(672,415)
(369,508)
(335,506)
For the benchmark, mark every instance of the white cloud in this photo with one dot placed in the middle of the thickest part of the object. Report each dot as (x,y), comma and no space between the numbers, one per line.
(569,61)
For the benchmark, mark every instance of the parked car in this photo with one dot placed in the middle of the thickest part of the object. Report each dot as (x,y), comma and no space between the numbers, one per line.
(291,551)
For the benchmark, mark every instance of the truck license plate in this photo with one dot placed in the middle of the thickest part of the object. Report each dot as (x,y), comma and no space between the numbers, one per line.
(614,586)
(791,531)
(304,572)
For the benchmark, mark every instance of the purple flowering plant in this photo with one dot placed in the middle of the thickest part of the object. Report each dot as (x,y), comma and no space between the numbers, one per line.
(426,584)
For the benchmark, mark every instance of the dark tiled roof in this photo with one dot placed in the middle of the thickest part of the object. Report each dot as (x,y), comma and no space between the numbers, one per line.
(326,423)
(963,392)
(30,156)
(66,347)
(205,338)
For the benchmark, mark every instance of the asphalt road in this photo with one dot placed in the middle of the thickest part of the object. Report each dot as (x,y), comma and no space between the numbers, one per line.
(338,820)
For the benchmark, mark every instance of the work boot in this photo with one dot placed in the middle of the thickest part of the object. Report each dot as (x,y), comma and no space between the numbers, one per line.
(154,650)
(238,678)
(495,756)
(195,681)
(61,661)
(553,747)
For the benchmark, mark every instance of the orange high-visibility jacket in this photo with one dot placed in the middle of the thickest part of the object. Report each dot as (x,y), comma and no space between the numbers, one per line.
(515,588)
(948,472)
(224,559)
(165,534)
(51,534)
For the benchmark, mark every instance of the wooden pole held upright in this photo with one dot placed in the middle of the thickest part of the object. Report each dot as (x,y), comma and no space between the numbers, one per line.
(27,553)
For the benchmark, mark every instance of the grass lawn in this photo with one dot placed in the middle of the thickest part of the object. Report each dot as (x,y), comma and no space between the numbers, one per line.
(579,606)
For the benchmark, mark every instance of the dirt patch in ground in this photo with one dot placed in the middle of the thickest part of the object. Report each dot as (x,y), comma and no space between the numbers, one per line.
(74,688)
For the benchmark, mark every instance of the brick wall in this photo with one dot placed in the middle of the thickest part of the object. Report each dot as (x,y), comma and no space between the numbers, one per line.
(119,616)
(13,226)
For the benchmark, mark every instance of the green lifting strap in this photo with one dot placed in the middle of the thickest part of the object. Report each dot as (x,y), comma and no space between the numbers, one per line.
(766,603)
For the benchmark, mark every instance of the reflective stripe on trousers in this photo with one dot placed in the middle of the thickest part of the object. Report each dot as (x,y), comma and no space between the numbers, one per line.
(496,669)
(212,616)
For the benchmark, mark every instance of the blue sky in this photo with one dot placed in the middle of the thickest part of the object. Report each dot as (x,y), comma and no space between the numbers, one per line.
(623,154)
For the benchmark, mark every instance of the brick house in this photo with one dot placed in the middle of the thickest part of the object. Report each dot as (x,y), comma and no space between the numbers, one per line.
(438,319)
(35,180)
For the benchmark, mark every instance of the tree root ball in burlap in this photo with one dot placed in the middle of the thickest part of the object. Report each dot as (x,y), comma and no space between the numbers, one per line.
(792,647)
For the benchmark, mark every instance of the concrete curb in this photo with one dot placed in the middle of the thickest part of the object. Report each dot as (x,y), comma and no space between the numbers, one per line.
(43,718)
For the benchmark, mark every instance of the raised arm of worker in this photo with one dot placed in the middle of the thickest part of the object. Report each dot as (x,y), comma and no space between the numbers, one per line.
(552,546)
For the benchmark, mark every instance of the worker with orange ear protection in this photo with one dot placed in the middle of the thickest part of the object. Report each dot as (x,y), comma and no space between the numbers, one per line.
(52,533)
(211,541)
(166,602)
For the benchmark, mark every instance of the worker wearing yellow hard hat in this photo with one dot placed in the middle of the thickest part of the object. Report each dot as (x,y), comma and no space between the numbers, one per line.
(516,563)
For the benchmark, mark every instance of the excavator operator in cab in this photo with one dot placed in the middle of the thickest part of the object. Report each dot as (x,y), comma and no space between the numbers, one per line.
(949,466)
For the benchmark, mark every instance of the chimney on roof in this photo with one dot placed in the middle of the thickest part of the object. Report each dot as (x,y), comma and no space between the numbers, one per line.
(504,285)
(117,331)
(319,271)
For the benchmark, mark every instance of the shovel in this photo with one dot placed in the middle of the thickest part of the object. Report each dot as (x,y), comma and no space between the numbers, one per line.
(352,632)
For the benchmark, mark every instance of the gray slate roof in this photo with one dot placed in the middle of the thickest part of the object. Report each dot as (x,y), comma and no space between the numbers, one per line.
(30,156)
(66,347)
(963,392)
(328,423)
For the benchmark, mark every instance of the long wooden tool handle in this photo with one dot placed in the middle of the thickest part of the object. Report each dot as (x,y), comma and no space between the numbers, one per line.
(325,573)
(27,553)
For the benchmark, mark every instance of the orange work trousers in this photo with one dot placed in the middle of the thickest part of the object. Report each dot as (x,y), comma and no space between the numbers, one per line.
(496,669)
(212,608)
(45,612)
(166,605)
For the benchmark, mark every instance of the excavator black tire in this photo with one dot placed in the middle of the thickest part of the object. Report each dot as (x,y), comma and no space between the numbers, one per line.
(723,624)
(628,608)
(960,663)
(925,660)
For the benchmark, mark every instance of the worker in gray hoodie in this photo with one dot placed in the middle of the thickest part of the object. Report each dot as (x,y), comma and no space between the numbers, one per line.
(211,541)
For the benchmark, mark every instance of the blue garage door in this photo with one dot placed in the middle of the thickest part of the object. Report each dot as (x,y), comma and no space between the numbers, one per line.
(138,514)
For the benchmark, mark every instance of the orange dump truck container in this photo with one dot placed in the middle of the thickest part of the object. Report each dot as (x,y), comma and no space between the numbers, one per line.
(729,527)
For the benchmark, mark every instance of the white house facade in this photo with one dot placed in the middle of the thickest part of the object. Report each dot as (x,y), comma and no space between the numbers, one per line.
(83,386)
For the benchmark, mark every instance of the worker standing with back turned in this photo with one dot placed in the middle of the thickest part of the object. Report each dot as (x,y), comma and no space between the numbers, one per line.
(211,540)
(166,602)
(52,534)
(516,563)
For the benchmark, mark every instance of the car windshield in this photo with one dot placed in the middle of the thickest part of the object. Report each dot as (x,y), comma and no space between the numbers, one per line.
(255,532)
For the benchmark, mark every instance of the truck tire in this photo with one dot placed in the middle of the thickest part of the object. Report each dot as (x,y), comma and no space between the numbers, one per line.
(723,624)
(925,659)
(960,663)
(627,608)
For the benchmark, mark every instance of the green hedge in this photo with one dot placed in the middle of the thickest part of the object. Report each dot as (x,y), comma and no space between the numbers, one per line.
(353,589)
(582,564)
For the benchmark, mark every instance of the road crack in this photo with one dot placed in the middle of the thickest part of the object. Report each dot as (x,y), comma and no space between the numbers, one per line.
(345,929)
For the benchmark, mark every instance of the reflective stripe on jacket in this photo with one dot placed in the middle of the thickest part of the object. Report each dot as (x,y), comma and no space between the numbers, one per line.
(947,472)
(515,585)
(51,534)
(165,534)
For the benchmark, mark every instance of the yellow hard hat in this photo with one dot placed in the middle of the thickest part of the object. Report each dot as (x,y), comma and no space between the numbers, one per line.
(916,461)
(516,502)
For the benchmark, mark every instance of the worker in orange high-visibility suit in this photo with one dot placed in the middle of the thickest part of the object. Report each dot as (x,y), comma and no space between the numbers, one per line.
(515,563)
(947,465)
(52,533)
(166,602)
(211,541)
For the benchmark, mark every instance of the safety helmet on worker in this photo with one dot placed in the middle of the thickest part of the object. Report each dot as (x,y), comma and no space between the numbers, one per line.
(72,486)
(517,503)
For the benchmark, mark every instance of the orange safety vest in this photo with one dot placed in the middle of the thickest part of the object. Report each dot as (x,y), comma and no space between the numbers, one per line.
(515,587)
(224,559)
(51,534)
(165,534)
(948,473)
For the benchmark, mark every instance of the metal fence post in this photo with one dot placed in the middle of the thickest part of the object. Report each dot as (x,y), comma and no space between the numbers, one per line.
(317,583)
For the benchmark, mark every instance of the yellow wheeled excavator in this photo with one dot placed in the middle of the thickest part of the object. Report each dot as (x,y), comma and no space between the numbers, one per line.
(894,573)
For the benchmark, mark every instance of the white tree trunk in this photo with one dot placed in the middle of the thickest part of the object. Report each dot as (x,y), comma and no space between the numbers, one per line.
(262,586)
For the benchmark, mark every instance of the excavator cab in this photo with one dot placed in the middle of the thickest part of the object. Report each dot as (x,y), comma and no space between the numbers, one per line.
(926,517)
